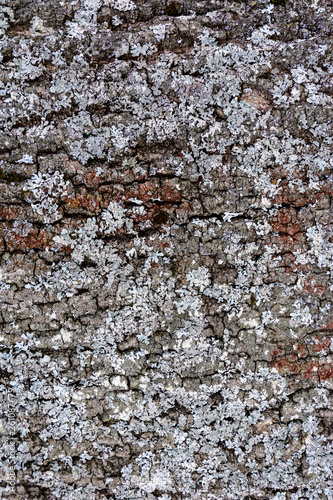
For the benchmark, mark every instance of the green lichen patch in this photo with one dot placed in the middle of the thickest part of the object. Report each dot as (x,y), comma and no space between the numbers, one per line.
(160,218)
(11,176)
(172,9)
(278,3)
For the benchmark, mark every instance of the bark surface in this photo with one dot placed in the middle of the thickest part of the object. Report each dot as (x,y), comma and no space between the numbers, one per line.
(166,249)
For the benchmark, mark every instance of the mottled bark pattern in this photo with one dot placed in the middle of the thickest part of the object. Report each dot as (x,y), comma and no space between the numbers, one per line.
(166,249)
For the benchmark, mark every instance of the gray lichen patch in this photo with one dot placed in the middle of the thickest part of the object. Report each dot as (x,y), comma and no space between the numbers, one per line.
(166,256)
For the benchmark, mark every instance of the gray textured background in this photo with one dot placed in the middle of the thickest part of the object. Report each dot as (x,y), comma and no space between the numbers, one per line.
(166,250)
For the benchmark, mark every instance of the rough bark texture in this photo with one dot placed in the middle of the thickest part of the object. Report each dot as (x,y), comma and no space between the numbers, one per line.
(166,249)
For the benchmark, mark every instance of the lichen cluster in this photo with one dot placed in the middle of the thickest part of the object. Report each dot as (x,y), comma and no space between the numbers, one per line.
(166,250)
